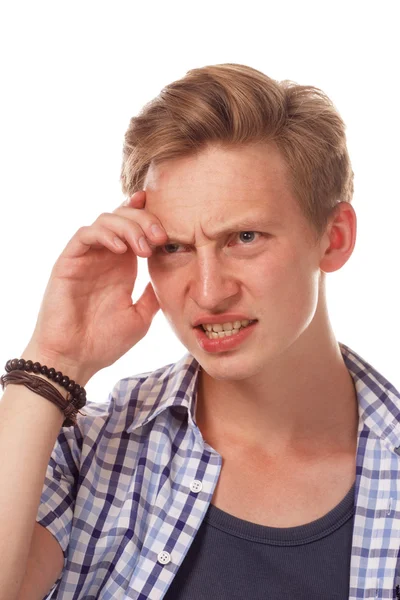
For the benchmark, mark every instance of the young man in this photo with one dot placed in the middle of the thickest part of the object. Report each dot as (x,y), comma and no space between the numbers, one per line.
(265,463)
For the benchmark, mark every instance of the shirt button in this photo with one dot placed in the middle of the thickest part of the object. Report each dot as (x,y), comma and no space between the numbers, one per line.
(196,486)
(164,557)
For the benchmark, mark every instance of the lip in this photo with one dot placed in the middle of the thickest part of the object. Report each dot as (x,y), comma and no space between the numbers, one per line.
(225,318)
(225,343)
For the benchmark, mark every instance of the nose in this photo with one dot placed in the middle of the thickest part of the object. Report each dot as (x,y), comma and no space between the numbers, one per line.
(213,284)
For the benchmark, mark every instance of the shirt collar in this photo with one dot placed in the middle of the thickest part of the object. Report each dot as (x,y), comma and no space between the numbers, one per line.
(175,385)
(378,399)
(171,386)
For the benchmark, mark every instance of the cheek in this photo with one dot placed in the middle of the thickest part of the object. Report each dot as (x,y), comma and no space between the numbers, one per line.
(289,287)
(166,288)
(302,299)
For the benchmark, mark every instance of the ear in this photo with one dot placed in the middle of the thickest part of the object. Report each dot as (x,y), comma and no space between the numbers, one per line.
(340,238)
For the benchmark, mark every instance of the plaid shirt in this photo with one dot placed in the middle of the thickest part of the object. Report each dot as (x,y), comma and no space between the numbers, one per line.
(127,487)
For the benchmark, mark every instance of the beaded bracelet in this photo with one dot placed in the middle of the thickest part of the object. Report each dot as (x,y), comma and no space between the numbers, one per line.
(77,394)
(76,391)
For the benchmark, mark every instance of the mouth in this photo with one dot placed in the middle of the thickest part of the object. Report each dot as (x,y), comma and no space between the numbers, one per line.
(214,332)
(224,341)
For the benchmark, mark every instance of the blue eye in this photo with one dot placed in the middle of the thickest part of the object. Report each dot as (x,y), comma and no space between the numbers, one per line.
(246,237)
(247,233)
(169,246)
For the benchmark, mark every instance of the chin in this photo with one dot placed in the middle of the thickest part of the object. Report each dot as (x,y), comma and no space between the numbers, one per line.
(228,368)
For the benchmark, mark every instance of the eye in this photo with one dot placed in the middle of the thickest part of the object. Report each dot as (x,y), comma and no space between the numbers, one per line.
(247,237)
(246,234)
(168,248)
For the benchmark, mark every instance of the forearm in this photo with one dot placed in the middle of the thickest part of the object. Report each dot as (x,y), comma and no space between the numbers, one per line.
(29,426)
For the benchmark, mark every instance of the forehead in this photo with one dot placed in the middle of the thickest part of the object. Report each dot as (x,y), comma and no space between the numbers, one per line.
(218,183)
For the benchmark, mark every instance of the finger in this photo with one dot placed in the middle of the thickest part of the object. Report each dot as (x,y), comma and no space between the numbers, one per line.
(137,228)
(123,229)
(93,237)
(143,218)
(137,200)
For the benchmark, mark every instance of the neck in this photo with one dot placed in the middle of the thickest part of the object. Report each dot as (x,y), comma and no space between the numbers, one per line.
(303,404)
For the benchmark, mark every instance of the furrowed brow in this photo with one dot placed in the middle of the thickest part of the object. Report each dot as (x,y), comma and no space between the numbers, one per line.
(252,223)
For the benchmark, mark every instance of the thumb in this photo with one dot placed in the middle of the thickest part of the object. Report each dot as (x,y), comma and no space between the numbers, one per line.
(147,306)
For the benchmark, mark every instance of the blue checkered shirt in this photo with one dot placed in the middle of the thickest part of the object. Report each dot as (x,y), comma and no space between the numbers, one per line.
(127,487)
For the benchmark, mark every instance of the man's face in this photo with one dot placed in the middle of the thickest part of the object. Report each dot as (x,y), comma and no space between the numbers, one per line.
(269,274)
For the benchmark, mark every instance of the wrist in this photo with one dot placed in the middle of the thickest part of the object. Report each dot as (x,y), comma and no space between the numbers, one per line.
(57,362)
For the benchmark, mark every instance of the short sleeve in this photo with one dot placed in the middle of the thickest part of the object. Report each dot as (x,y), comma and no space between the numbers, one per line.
(57,502)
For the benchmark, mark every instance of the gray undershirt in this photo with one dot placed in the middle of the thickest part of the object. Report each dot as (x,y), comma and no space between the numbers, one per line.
(234,559)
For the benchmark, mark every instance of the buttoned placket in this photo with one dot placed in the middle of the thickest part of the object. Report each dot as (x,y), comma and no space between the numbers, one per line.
(155,554)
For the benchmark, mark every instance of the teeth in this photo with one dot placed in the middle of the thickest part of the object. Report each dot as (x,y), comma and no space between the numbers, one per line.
(220,327)
(213,335)
(220,330)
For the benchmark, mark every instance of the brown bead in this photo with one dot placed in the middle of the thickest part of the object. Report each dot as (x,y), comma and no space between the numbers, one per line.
(58,377)
(80,401)
(65,381)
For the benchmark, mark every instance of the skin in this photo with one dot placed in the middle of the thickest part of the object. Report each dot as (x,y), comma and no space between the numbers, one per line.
(285,390)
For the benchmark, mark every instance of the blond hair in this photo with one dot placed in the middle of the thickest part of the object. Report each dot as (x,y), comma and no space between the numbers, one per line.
(232,105)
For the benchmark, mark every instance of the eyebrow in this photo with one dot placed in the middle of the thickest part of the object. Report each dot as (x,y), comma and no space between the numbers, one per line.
(251,223)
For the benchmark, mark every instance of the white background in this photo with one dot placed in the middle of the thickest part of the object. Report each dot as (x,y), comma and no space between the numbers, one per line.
(72,75)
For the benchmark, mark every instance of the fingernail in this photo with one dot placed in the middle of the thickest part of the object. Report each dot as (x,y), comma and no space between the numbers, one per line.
(157,231)
(143,244)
